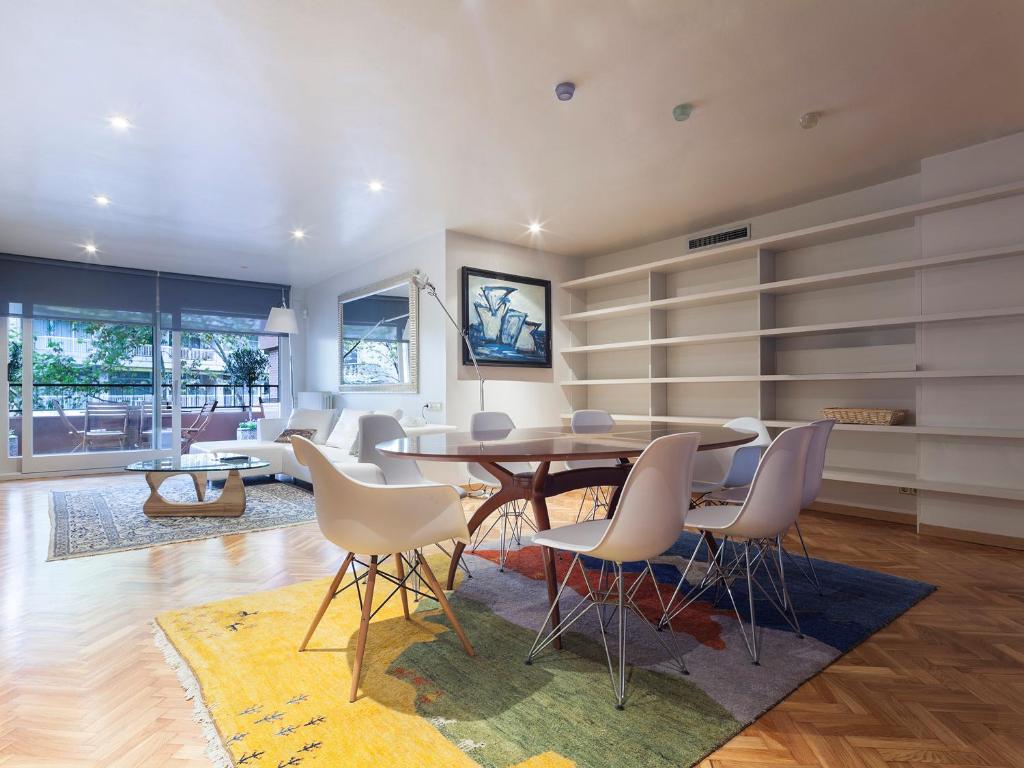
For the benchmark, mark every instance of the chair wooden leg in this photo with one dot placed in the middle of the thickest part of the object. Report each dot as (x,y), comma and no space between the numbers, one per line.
(364,625)
(400,568)
(327,599)
(435,587)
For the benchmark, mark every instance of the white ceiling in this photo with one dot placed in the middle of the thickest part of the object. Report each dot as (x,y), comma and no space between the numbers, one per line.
(253,117)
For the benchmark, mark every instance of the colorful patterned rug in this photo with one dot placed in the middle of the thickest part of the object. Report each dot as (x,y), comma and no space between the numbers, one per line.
(98,521)
(425,703)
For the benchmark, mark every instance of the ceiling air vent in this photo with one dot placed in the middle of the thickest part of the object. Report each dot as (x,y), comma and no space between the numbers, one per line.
(718,238)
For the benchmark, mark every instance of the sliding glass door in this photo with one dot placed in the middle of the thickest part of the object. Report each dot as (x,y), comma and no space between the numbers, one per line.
(94,393)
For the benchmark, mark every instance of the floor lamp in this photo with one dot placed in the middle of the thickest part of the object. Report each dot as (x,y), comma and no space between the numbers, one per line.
(282,320)
(423,283)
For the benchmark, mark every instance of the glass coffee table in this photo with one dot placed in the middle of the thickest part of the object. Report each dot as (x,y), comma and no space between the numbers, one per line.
(230,503)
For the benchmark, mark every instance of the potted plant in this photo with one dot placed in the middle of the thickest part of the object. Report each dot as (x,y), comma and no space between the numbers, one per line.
(246,430)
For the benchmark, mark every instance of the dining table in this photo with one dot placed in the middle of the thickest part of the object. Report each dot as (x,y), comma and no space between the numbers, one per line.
(607,450)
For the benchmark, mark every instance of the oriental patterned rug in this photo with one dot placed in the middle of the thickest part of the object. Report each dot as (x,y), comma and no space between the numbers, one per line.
(102,520)
(424,702)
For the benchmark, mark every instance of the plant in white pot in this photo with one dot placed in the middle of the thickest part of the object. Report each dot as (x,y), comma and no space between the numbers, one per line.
(246,430)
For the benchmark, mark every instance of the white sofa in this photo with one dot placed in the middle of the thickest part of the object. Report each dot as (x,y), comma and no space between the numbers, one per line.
(282,459)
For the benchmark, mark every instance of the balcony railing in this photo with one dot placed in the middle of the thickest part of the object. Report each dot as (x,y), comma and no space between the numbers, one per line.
(73,397)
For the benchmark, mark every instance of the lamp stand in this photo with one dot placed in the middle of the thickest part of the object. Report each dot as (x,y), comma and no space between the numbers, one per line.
(429,288)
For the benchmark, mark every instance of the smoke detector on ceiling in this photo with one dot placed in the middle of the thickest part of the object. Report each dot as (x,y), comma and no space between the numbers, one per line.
(565,91)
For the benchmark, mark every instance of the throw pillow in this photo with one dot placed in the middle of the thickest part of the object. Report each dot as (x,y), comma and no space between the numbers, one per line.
(285,436)
(317,420)
(345,434)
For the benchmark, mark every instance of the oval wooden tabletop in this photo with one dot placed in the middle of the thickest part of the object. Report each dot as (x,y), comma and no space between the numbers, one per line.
(559,443)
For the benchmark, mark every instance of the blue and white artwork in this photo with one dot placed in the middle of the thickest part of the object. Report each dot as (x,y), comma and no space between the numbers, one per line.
(508,318)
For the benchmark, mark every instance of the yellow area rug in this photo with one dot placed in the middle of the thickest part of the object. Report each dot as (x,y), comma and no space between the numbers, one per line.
(425,703)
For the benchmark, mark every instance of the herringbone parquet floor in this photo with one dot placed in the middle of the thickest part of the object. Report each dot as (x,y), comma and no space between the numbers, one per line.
(82,685)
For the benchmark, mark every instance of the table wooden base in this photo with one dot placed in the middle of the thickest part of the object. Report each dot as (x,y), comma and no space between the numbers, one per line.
(536,488)
(230,503)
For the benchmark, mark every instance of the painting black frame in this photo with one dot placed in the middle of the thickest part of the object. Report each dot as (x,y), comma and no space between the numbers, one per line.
(468,272)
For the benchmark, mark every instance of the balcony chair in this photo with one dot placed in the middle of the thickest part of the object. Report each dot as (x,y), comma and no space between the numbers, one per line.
(380,522)
(84,439)
(649,517)
(510,517)
(751,534)
(584,422)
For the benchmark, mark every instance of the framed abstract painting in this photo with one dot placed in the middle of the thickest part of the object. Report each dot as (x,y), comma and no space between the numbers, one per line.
(507,317)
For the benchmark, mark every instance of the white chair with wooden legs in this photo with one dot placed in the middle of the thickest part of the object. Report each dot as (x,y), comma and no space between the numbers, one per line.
(591,421)
(726,469)
(511,517)
(376,428)
(378,522)
(651,510)
(750,534)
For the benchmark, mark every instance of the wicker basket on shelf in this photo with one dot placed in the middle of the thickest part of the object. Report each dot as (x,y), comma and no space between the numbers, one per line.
(877,416)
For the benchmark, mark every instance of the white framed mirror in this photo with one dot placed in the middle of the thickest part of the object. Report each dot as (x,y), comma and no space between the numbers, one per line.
(378,337)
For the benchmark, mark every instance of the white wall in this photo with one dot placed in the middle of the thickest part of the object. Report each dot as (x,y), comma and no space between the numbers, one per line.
(531,396)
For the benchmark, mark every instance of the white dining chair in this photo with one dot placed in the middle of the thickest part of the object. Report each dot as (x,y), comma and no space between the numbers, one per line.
(377,428)
(725,469)
(511,517)
(750,534)
(812,487)
(380,522)
(591,421)
(813,475)
(651,510)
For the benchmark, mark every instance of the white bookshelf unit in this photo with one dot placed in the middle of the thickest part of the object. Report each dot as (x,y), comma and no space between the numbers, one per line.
(845,313)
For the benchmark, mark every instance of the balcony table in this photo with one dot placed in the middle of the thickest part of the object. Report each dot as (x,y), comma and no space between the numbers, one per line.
(543,445)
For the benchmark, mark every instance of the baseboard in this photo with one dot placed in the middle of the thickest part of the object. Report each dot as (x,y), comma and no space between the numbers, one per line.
(975,537)
(869,513)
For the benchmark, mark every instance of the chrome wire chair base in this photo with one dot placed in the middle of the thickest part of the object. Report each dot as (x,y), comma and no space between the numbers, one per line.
(598,499)
(756,561)
(611,602)
(463,566)
(809,573)
(511,518)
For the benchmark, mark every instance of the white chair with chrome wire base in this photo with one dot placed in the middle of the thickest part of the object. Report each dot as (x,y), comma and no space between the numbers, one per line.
(749,535)
(376,428)
(512,516)
(650,513)
(812,487)
(591,421)
(378,522)
(730,468)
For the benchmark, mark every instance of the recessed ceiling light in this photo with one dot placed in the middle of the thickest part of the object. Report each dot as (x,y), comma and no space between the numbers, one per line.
(101,200)
(535,228)
(90,248)
(809,120)
(298,234)
(375,185)
(119,122)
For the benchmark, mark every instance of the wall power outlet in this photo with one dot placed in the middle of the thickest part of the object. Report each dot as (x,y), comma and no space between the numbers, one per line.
(907,491)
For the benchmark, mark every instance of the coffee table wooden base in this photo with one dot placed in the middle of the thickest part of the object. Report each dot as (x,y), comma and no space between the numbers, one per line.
(230,503)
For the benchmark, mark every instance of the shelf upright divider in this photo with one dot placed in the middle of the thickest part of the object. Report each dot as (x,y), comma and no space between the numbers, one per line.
(767,346)
(657,328)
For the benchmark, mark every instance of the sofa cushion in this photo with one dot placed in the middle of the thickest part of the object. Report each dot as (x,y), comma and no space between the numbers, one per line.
(346,431)
(307,418)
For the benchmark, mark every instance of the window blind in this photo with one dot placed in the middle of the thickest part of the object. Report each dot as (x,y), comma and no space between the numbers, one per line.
(32,287)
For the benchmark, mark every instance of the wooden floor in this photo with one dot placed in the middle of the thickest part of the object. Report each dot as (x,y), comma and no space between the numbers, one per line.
(81,683)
